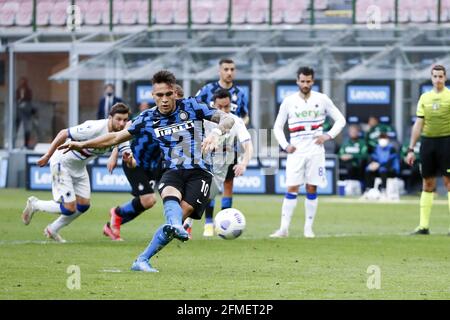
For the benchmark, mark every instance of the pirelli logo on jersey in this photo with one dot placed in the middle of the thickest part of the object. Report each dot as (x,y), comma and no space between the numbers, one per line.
(174,128)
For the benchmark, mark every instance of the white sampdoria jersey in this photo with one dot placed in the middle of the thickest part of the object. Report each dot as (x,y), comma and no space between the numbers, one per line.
(224,155)
(90,129)
(305,121)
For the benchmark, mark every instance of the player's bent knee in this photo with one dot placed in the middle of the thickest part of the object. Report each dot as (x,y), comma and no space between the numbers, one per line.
(67,209)
(148,201)
(83,207)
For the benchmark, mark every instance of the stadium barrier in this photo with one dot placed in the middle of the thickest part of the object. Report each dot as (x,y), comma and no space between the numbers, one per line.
(254,181)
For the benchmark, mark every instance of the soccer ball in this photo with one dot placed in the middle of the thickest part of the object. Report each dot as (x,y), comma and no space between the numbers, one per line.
(229,223)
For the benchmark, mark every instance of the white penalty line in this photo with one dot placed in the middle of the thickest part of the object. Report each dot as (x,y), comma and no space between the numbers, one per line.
(363,201)
(21,242)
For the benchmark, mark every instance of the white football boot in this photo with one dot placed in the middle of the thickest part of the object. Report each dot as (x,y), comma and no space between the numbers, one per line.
(53,235)
(308,233)
(29,210)
(279,234)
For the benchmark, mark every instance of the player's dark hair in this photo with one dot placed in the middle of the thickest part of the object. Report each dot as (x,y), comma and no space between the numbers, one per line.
(438,67)
(306,71)
(225,60)
(120,108)
(221,94)
(164,76)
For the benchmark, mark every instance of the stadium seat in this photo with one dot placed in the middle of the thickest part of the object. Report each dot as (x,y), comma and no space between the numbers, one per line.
(320,4)
(129,14)
(8,13)
(43,10)
(142,16)
(257,11)
(418,10)
(95,11)
(201,10)
(24,17)
(58,15)
(293,17)
(239,11)
(219,14)
(180,16)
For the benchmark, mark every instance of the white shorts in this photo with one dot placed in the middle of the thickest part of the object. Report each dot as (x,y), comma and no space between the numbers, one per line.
(306,169)
(65,186)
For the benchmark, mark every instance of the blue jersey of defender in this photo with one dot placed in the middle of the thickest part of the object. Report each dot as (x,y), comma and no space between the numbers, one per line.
(239,99)
(178,134)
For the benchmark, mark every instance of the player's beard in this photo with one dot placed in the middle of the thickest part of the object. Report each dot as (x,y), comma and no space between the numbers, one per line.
(305,90)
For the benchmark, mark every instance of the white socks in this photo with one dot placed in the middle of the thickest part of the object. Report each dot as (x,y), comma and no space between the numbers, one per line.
(63,221)
(47,206)
(287,210)
(310,212)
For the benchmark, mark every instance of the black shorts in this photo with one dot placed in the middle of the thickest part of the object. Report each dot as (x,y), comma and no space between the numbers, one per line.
(142,181)
(435,157)
(194,185)
(230,172)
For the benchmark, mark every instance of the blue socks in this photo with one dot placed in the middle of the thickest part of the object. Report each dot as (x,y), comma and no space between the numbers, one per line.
(173,211)
(173,214)
(227,202)
(311,196)
(159,241)
(130,210)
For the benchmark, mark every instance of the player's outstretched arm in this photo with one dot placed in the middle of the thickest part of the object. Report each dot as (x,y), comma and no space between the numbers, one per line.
(59,140)
(104,141)
(225,123)
(112,161)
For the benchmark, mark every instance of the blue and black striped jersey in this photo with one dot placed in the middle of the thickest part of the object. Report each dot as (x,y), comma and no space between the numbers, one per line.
(238,97)
(179,134)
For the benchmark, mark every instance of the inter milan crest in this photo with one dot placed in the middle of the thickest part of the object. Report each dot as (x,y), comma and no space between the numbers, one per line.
(234,97)
(184,115)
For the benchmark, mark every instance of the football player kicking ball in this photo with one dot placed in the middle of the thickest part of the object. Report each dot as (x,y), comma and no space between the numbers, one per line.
(143,174)
(70,180)
(305,112)
(177,125)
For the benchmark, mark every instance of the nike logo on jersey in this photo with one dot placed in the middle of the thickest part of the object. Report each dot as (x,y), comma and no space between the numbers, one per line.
(178,127)
(198,201)
(156,122)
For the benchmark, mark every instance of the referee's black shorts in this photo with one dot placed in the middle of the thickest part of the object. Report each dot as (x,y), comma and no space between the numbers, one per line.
(435,157)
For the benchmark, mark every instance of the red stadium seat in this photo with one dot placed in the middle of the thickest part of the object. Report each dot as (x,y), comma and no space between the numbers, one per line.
(96,11)
(43,10)
(58,16)
(293,17)
(320,4)
(219,13)
(24,17)
(8,13)
(130,11)
(257,11)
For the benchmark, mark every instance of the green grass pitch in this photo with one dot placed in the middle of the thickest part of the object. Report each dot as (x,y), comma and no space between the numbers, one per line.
(352,238)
